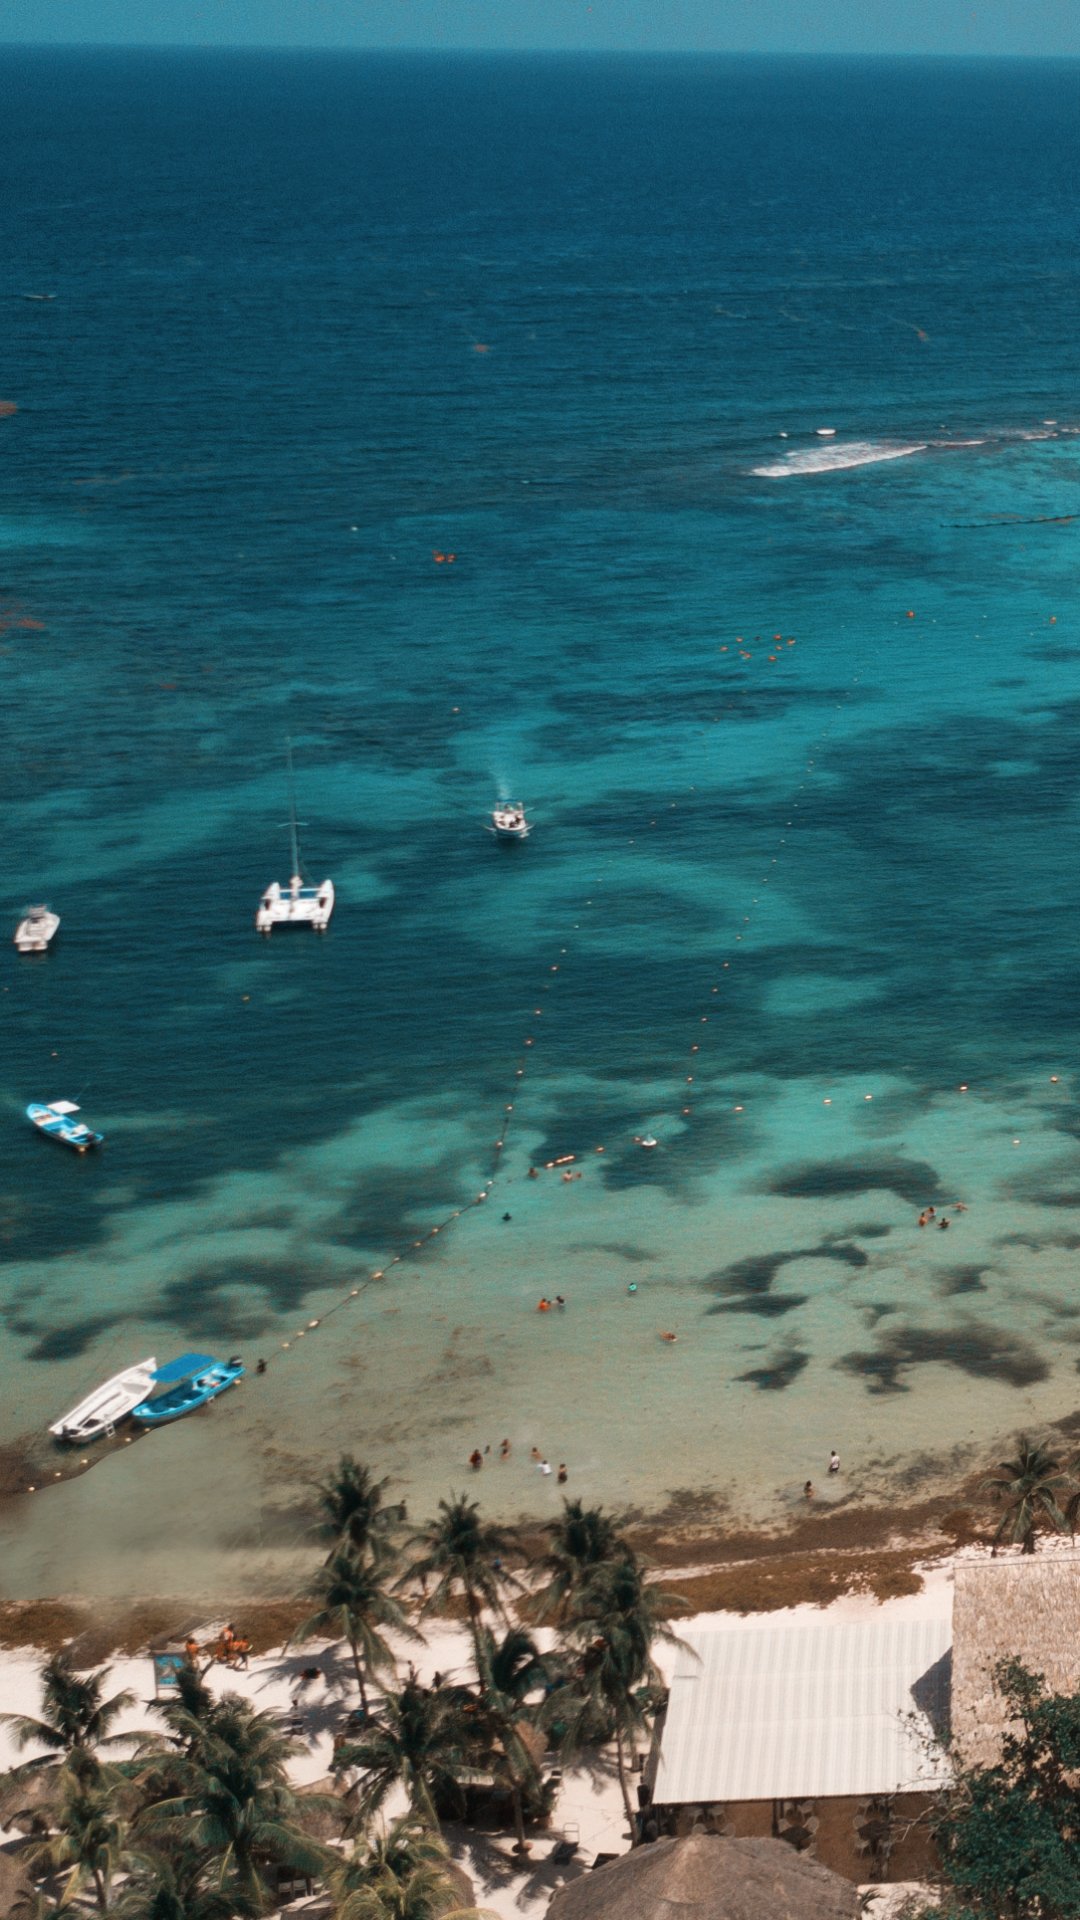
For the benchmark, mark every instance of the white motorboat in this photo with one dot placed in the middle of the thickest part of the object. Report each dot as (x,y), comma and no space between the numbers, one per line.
(297,903)
(107,1405)
(36,929)
(508,822)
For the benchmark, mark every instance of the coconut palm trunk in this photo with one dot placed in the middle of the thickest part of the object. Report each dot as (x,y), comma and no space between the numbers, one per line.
(521,1844)
(359,1671)
(624,1783)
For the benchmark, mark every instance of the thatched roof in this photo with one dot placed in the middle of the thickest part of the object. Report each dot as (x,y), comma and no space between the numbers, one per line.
(14,1881)
(462,1885)
(324,1813)
(707,1878)
(27,1795)
(1025,1609)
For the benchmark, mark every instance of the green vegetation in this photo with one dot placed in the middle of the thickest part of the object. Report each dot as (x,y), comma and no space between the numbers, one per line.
(1031,1489)
(1009,1835)
(197,1818)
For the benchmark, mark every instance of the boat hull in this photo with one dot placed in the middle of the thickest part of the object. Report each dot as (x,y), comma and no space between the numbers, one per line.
(188,1395)
(104,1409)
(509,823)
(295,905)
(60,1126)
(35,930)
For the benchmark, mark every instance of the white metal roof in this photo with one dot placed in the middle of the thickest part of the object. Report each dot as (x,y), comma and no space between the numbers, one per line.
(806,1711)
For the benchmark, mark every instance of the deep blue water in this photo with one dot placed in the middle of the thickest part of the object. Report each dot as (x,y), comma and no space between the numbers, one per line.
(319,318)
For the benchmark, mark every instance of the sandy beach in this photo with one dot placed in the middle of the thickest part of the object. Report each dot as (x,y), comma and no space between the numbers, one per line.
(589,1802)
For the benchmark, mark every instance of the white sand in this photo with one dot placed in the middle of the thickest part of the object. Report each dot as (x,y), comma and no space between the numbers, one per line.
(589,1804)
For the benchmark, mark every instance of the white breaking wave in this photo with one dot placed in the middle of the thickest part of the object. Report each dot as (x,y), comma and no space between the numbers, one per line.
(845,453)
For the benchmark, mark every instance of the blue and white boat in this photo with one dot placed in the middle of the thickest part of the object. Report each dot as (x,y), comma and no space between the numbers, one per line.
(56,1120)
(188,1383)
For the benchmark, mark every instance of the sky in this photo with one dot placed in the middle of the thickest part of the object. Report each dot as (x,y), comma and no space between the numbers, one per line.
(1025,27)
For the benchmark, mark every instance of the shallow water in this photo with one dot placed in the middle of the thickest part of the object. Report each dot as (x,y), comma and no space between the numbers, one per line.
(795,719)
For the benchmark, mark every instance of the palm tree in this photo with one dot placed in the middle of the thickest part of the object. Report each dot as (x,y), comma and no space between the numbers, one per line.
(75,1719)
(87,1843)
(616,1620)
(403,1874)
(352,1513)
(354,1602)
(422,1741)
(231,1800)
(581,1539)
(508,1671)
(169,1885)
(189,1712)
(461,1551)
(1030,1487)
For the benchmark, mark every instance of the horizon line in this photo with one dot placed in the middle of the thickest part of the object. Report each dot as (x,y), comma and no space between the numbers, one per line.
(528,53)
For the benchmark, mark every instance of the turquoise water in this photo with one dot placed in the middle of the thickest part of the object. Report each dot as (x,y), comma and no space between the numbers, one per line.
(794,716)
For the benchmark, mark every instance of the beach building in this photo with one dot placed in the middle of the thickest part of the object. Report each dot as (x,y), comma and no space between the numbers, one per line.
(823,1733)
(705,1877)
(1025,1609)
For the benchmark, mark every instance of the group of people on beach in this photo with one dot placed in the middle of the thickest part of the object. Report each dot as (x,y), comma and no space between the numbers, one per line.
(230,1649)
(543,1466)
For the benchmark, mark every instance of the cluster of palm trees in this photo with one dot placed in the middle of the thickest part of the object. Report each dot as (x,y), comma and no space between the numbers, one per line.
(197,1819)
(1038,1489)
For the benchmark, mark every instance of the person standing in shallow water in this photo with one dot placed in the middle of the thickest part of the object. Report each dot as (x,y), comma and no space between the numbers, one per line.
(834,1461)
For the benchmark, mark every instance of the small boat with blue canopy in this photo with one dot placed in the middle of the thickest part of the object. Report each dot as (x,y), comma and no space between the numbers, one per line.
(185,1384)
(56,1120)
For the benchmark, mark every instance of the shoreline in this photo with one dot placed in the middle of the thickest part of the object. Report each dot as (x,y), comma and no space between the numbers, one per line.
(872,1550)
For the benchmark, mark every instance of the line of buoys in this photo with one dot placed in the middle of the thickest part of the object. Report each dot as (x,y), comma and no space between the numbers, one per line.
(564,1163)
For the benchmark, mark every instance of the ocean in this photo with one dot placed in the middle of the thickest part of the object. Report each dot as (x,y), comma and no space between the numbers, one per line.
(687,447)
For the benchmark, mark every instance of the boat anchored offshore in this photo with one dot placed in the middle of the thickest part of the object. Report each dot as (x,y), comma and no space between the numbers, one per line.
(55,1120)
(103,1409)
(36,929)
(284,906)
(508,822)
(189,1383)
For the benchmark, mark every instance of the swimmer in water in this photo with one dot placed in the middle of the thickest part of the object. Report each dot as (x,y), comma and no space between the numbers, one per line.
(669,1337)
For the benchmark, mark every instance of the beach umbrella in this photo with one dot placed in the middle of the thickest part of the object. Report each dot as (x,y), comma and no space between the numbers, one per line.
(705,1877)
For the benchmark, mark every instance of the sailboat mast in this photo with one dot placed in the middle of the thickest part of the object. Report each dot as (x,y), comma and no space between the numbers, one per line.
(294,838)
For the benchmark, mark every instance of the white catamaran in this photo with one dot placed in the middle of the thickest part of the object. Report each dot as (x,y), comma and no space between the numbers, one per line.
(285,906)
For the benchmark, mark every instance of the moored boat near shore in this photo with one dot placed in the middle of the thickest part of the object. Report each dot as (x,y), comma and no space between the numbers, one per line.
(107,1405)
(189,1382)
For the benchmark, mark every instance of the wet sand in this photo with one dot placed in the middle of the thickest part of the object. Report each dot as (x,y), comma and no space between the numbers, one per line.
(707,1566)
